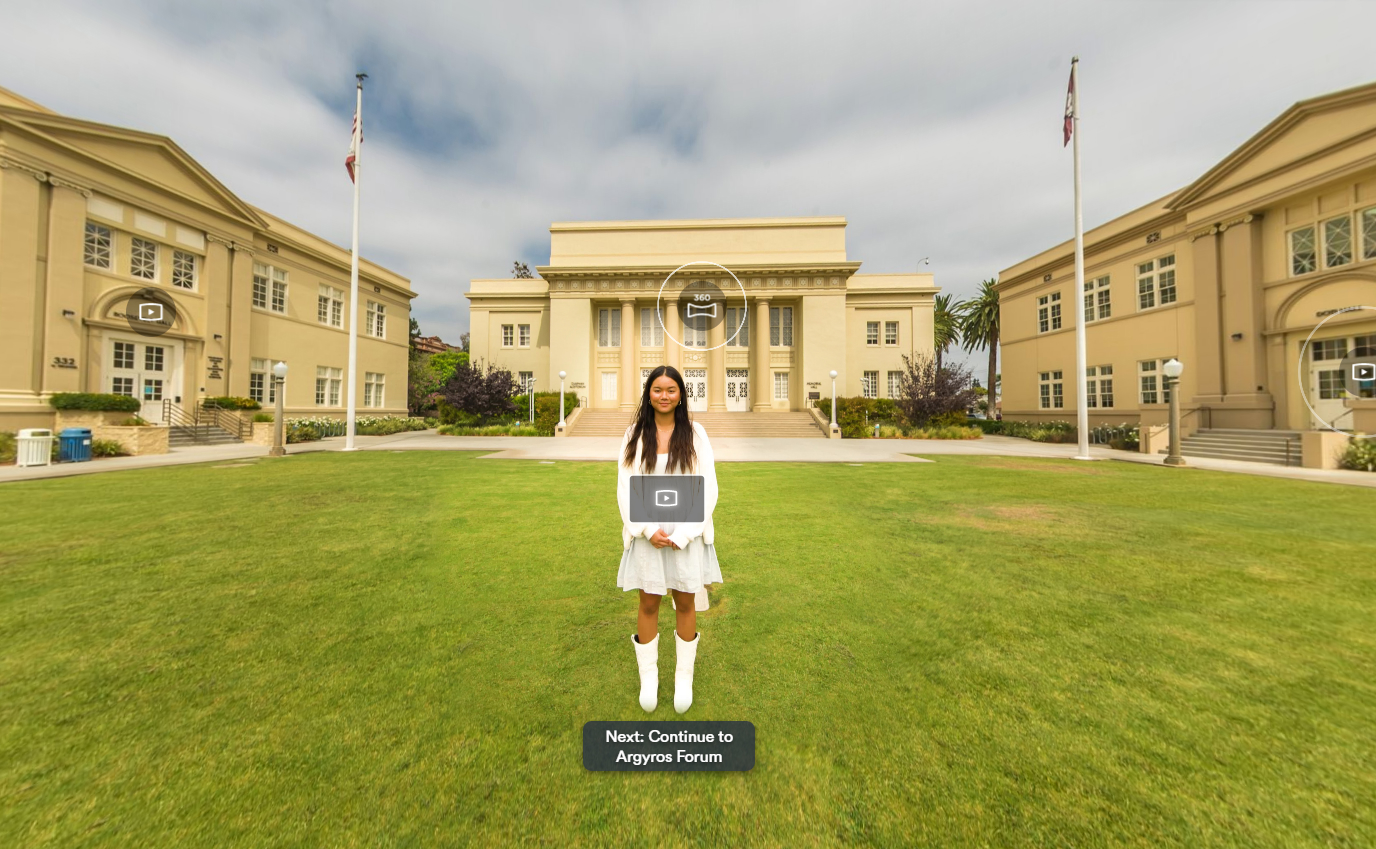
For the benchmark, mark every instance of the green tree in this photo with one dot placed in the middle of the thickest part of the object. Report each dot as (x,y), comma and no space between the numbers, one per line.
(945,326)
(444,364)
(979,328)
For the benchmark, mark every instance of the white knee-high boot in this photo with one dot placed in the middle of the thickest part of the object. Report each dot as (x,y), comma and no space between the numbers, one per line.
(683,673)
(647,658)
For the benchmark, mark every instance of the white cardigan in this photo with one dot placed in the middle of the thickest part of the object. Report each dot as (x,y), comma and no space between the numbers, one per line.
(683,532)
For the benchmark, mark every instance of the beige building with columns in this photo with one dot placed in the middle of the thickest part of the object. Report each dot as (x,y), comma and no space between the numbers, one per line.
(592,313)
(91,214)
(1231,275)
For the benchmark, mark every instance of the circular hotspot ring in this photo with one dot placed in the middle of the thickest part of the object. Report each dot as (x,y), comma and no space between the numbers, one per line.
(149,313)
(1299,374)
(702,308)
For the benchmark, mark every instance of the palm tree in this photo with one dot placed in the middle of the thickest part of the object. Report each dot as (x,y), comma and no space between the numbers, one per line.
(945,325)
(979,328)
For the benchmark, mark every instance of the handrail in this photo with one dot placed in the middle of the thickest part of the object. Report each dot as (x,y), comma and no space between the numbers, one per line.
(226,420)
(1207,415)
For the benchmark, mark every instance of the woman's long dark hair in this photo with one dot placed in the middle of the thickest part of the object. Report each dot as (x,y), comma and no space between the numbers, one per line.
(682,455)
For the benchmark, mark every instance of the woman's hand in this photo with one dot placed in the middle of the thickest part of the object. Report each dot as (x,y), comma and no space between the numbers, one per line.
(661,539)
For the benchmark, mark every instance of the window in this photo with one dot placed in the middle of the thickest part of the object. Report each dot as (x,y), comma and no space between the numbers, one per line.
(1097,305)
(738,323)
(869,384)
(1049,312)
(781,384)
(376,324)
(1150,378)
(651,331)
(184,269)
(1051,391)
(1099,386)
(1330,349)
(330,306)
(895,384)
(1156,282)
(260,285)
(781,326)
(122,386)
(508,335)
(890,333)
(1331,385)
(152,389)
(523,335)
(153,357)
(124,355)
(261,387)
(525,379)
(695,331)
(327,383)
(609,329)
(372,389)
(1303,257)
(143,259)
(269,288)
(1337,241)
(871,333)
(1367,219)
(98,247)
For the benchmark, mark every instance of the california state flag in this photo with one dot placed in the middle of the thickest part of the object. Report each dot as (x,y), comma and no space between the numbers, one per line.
(355,139)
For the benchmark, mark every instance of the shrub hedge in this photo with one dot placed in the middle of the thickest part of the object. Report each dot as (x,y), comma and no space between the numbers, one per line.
(107,448)
(1360,455)
(94,401)
(231,402)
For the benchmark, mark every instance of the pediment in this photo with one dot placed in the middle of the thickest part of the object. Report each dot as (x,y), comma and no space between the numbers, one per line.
(150,158)
(1334,130)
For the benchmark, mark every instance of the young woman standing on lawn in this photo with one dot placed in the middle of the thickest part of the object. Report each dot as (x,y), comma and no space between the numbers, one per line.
(665,557)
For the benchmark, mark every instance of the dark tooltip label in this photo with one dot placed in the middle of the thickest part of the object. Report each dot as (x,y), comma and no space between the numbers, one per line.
(673,746)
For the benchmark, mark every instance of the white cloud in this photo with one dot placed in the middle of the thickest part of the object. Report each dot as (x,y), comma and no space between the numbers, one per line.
(934,128)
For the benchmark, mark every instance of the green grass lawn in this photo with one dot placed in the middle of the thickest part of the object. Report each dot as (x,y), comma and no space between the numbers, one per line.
(400,649)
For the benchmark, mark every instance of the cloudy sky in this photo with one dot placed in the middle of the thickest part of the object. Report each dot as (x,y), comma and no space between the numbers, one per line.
(934,127)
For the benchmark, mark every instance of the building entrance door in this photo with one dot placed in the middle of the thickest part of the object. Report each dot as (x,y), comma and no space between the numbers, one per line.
(1327,388)
(738,390)
(149,371)
(695,381)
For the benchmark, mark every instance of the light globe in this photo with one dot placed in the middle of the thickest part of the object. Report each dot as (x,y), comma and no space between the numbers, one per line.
(280,370)
(1173,368)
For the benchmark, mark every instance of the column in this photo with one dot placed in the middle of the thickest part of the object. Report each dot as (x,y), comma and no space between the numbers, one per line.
(1244,359)
(20,216)
(63,288)
(240,333)
(630,341)
(760,380)
(1208,328)
(673,332)
(716,366)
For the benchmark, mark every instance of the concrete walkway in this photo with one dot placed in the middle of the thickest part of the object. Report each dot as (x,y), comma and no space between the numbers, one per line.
(727,449)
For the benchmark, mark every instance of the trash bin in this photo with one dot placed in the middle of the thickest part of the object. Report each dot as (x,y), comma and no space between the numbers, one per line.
(35,447)
(74,445)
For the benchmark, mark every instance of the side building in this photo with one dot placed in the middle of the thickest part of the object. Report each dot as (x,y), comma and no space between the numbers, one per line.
(95,219)
(1231,275)
(592,313)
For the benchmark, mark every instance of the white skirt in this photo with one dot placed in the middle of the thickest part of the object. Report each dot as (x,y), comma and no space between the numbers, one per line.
(658,570)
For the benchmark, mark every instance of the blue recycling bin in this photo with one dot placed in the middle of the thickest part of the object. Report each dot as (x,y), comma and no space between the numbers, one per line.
(74,445)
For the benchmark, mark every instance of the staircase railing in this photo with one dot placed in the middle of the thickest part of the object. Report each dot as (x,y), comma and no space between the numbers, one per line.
(1204,419)
(226,420)
(174,416)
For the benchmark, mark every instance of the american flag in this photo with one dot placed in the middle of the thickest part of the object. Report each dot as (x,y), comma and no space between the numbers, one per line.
(1069,109)
(355,139)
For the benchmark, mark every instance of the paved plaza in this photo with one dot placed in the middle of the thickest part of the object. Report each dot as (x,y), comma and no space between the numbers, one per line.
(727,450)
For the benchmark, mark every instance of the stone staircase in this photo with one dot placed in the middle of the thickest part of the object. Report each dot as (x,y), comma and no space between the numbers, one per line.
(786,425)
(1276,447)
(187,435)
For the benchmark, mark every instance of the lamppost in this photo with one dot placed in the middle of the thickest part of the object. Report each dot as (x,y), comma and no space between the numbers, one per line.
(833,399)
(279,377)
(1172,370)
(562,375)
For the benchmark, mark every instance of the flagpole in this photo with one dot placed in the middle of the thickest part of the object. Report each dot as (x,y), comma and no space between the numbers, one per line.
(351,415)
(1081,366)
